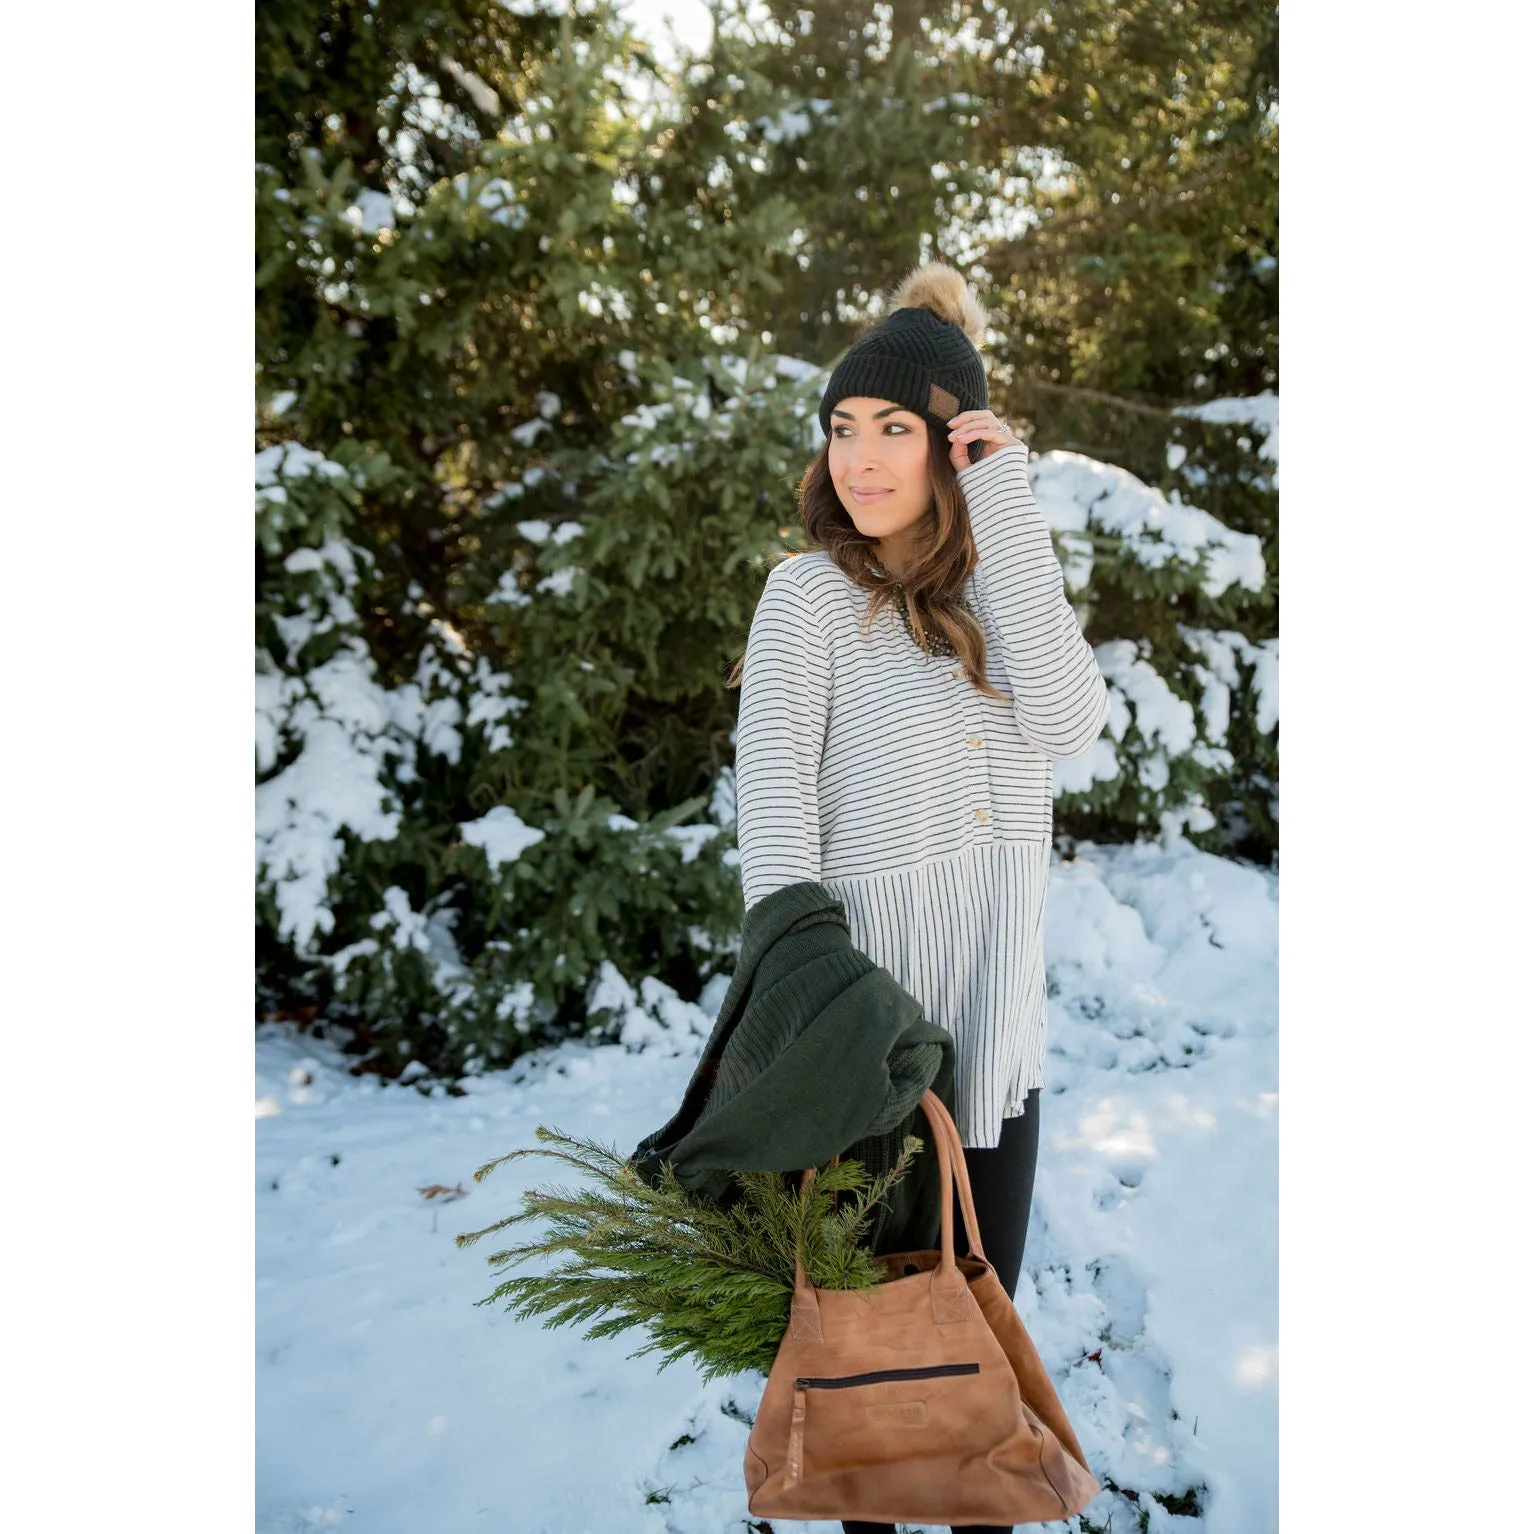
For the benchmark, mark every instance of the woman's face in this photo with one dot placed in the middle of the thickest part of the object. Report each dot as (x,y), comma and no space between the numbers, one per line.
(882,447)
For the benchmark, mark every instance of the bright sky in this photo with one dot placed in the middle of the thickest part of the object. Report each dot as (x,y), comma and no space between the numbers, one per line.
(689,19)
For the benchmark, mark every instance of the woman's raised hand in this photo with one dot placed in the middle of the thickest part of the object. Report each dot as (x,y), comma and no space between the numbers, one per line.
(977,426)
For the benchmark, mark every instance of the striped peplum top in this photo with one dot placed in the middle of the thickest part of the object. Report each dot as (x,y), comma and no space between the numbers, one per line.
(926,807)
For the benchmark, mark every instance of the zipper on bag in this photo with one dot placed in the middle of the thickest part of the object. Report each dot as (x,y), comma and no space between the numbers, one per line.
(795,1465)
(838,1381)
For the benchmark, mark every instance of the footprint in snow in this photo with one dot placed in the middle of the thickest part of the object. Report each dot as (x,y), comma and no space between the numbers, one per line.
(1121,1291)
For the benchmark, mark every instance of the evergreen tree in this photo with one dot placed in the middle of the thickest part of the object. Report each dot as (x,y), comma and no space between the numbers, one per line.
(1142,288)
(501,553)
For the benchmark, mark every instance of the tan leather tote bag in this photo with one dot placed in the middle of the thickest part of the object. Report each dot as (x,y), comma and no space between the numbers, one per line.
(922,1400)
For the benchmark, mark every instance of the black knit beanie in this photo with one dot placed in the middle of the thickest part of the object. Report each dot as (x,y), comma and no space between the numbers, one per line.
(923,356)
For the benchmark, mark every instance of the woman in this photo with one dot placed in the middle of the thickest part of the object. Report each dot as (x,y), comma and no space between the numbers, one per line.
(904,688)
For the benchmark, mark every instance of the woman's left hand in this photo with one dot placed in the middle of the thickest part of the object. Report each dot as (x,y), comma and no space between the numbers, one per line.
(977,426)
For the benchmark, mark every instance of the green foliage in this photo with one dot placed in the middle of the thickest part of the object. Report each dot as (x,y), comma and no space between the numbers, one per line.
(478,300)
(1109,165)
(1146,137)
(710,1282)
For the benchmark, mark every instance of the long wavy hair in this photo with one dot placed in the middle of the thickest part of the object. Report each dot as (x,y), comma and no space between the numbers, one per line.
(933,588)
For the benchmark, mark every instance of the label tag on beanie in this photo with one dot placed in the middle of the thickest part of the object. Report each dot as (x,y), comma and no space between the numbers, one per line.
(941,403)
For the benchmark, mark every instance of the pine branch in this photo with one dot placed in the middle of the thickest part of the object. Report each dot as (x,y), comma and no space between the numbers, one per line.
(706,1282)
(593,1149)
(1097,396)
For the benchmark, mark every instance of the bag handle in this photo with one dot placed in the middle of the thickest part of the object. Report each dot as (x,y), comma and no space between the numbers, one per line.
(950,1289)
(966,1193)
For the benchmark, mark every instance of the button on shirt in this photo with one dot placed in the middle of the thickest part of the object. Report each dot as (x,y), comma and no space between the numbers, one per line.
(926,807)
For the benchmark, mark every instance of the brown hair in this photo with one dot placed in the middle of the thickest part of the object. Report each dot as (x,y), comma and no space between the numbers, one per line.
(934,583)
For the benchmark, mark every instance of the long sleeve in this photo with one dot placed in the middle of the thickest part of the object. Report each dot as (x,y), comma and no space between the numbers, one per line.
(1058,694)
(785,698)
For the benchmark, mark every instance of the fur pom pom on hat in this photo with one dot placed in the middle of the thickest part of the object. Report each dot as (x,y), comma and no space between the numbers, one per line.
(924,354)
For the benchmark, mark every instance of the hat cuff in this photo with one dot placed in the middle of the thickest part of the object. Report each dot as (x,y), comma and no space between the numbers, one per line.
(880,376)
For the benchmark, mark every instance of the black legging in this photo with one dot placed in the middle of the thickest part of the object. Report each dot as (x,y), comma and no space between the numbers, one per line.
(1001,1179)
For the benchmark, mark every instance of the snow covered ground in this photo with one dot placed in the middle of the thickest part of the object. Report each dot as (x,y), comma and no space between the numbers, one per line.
(388,1402)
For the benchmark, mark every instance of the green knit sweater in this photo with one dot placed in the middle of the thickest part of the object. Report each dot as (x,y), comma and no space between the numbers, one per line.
(817,1052)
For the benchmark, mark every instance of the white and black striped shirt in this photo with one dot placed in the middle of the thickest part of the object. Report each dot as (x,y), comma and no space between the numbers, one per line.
(923,805)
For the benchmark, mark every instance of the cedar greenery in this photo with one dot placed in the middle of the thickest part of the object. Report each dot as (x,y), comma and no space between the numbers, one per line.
(713,1281)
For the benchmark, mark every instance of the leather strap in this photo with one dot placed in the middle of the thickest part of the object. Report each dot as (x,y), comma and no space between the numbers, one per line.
(966,1193)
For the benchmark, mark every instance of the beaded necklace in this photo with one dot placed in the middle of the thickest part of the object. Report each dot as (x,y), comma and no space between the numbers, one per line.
(938,643)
